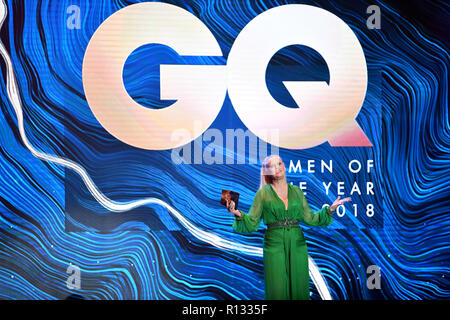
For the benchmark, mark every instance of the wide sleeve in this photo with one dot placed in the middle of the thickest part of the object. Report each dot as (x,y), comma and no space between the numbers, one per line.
(319,218)
(250,222)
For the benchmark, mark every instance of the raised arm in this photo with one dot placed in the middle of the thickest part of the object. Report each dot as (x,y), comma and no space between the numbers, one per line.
(250,222)
(319,218)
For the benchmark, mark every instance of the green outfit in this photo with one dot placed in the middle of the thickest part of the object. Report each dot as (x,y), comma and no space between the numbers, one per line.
(286,271)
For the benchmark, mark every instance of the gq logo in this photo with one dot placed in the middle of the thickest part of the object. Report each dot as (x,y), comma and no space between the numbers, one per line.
(325,113)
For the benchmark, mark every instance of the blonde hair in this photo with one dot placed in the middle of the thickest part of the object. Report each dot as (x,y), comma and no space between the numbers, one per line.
(265,177)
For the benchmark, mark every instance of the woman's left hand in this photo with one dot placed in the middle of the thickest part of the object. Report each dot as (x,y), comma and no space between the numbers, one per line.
(338,202)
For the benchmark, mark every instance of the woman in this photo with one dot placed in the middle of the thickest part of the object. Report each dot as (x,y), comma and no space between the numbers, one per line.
(282,206)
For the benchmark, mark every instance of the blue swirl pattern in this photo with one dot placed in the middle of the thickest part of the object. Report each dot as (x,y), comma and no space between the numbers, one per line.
(48,220)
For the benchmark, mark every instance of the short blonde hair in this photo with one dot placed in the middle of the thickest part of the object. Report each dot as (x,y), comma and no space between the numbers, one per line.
(266,178)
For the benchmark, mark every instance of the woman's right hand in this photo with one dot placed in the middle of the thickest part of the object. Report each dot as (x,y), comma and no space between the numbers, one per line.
(230,207)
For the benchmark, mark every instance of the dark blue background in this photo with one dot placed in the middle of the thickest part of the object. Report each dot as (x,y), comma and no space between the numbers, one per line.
(146,253)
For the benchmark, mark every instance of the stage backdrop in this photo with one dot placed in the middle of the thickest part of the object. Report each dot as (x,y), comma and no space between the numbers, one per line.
(125,121)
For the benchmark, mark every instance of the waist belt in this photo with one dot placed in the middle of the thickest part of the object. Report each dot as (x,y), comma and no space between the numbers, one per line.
(284,223)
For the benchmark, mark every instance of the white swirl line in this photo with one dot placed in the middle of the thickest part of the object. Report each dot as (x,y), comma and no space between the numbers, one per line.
(208,237)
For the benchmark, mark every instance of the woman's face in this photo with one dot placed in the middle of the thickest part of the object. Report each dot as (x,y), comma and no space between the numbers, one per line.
(276,167)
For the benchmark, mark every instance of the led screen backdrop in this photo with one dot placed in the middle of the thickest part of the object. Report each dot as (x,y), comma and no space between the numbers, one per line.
(121,123)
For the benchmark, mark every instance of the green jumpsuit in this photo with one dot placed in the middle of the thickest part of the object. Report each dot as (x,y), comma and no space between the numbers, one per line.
(286,271)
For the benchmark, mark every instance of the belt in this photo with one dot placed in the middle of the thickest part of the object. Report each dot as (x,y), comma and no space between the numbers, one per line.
(284,223)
